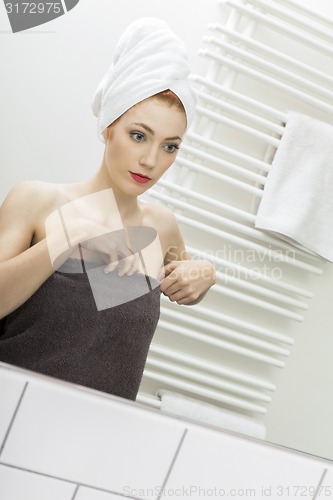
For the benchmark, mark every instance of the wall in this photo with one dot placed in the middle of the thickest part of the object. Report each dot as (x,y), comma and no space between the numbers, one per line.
(51,73)
(61,442)
(48,132)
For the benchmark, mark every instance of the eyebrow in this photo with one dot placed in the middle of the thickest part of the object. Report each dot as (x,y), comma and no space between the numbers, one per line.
(148,129)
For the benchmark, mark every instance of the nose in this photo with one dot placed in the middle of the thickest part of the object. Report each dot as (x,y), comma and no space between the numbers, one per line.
(149,156)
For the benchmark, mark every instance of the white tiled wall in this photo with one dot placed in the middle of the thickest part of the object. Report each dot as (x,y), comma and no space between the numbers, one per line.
(91,494)
(70,433)
(11,389)
(238,469)
(16,484)
(63,442)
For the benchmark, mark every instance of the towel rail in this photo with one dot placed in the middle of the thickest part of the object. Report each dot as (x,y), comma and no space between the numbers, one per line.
(239,378)
(305,10)
(226,279)
(247,273)
(269,52)
(260,249)
(260,179)
(204,392)
(225,236)
(195,167)
(148,399)
(219,148)
(223,319)
(225,106)
(268,139)
(290,17)
(233,335)
(268,67)
(280,27)
(261,304)
(213,203)
(209,380)
(239,214)
(257,75)
(229,347)
(241,99)
(224,345)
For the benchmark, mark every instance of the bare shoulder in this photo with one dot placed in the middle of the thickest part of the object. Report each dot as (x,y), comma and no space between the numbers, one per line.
(28,196)
(160,216)
(166,225)
(24,210)
(18,215)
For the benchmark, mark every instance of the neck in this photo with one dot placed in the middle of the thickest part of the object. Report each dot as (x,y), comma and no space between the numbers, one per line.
(128,206)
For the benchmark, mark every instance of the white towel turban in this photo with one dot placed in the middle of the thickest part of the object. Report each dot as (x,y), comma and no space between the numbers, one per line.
(148,59)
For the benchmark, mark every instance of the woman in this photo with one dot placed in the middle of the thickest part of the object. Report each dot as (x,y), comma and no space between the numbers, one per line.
(80,264)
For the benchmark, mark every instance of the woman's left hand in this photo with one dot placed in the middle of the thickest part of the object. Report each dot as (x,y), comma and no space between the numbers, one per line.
(187,281)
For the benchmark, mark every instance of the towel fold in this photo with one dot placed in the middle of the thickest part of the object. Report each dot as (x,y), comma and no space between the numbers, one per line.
(297,202)
(183,406)
(148,59)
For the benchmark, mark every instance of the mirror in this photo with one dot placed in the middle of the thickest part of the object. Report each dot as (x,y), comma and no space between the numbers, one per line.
(48,133)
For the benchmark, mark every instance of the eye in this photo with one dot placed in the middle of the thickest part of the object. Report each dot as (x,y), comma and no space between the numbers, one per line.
(171,148)
(137,136)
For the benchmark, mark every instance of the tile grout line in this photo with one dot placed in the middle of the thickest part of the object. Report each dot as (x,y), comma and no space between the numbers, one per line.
(172,463)
(317,492)
(69,481)
(75,492)
(44,474)
(13,418)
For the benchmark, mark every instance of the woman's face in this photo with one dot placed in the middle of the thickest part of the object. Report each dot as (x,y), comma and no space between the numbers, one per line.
(142,144)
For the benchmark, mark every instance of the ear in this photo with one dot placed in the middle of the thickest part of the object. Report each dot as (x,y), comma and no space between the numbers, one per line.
(107,132)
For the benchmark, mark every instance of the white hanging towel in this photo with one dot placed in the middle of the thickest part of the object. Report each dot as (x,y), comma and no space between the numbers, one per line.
(184,406)
(297,201)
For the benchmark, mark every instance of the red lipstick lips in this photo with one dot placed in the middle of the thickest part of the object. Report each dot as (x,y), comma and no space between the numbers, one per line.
(140,178)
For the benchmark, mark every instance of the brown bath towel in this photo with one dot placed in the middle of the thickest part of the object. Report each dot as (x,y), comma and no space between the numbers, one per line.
(60,332)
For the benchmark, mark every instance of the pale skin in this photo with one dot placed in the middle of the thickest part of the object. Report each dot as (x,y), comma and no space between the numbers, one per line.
(145,140)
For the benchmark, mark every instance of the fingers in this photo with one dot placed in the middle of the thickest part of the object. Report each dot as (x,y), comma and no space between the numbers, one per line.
(186,282)
(124,265)
(180,291)
(129,265)
(111,267)
(174,285)
(117,254)
(169,268)
(113,257)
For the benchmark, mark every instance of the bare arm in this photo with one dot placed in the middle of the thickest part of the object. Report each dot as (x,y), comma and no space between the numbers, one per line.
(23,268)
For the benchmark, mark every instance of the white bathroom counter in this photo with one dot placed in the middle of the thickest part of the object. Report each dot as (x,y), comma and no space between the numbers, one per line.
(64,442)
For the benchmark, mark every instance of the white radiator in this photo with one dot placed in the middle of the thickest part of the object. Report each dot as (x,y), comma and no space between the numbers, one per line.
(226,350)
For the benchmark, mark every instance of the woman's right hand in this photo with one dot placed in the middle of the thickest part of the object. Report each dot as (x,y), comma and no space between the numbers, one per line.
(112,247)
(97,242)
